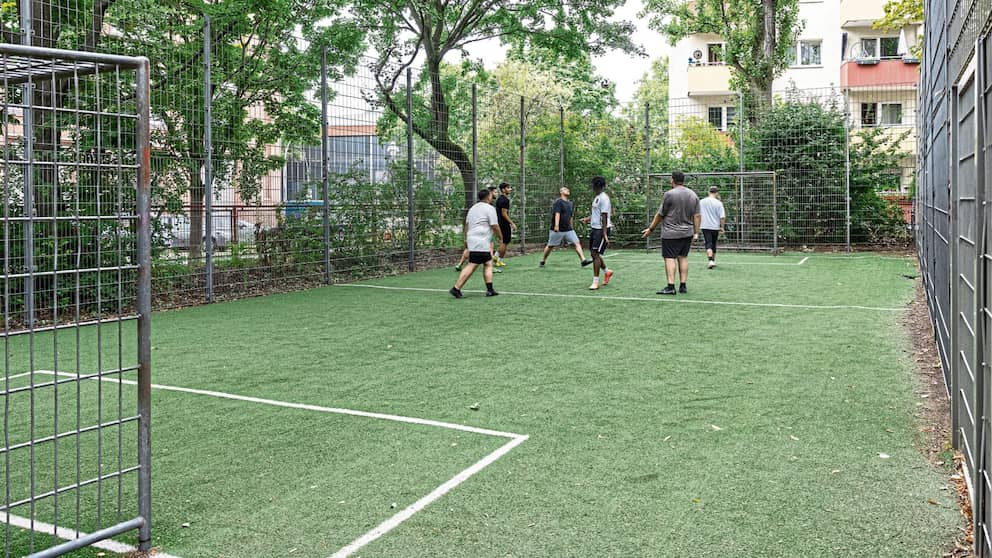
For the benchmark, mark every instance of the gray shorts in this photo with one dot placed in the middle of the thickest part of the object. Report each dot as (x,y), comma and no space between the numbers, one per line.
(562,238)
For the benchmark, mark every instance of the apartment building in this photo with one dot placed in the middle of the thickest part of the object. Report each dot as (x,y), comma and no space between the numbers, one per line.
(838,56)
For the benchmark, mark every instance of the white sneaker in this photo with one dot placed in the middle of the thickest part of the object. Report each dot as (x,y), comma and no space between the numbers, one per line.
(594,287)
(712,264)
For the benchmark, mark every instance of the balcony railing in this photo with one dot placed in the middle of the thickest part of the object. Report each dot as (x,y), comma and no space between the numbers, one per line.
(708,79)
(875,72)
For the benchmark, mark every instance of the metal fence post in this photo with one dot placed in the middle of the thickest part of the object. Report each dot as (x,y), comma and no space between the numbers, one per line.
(409,164)
(325,170)
(475,141)
(561,147)
(740,167)
(208,159)
(847,171)
(523,180)
(774,214)
(27,92)
(144,306)
(647,168)
(954,341)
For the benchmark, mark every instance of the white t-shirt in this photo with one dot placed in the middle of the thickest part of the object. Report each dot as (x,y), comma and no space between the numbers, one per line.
(711,211)
(480,221)
(601,204)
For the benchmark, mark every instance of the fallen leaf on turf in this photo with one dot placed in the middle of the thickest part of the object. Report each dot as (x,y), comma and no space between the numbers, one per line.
(835,471)
(696,500)
(884,455)
(889,430)
(101,554)
(532,524)
(453,444)
(474,406)
(715,427)
(389,346)
(667,438)
(932,503)
(392,506)
(184,525)
(793,438)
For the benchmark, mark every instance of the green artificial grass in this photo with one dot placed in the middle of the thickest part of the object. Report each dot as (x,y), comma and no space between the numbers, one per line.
(657,427)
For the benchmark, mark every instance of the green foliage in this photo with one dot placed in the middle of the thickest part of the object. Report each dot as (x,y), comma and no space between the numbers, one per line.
(900,13)
(652,90)
(696,146)
(755,57)
(804,142)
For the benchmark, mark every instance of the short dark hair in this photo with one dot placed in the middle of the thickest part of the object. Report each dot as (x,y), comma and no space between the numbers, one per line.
(598,183)
(503,186)
(483,194)
(491,188)
(678,177)
(714,189)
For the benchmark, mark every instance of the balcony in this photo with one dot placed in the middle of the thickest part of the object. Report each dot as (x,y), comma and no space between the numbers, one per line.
(860,13)
(708,79)
(856,74)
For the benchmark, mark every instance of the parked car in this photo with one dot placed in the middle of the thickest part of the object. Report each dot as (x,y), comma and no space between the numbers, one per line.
(177,227)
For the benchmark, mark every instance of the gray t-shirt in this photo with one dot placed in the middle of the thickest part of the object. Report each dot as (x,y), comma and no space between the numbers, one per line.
(711,210)
(678,208)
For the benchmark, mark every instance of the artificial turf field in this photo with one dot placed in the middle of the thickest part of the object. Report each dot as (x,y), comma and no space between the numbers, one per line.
(769,412)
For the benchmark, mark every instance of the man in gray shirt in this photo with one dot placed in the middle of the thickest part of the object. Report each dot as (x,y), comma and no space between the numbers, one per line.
(679,216)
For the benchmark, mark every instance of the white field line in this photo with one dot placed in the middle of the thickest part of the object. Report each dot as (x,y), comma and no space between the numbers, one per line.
(396,520)
(67,534)
(719,263)
(802,261)
(611,255)
(668,300)
(21,375)
(420,504)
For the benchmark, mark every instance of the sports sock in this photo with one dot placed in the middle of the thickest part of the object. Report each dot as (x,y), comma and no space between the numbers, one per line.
(671,285)
(595,280)
(489,287)
(681,285)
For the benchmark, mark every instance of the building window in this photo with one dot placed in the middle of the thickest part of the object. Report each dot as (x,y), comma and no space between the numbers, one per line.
(869,48)
(714,53)
(891,114)
(809,53)
(721,117)
(869,114)
(889,47)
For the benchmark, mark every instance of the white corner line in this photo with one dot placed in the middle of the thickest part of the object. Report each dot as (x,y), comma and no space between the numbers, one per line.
(420,504)
(639,299)
(802,261)
(68,534)
(406,513)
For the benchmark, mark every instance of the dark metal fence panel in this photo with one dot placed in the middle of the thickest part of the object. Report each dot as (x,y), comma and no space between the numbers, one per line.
(76,299)
(984,318)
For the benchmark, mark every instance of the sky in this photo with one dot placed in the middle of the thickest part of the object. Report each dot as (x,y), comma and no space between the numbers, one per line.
(622,69)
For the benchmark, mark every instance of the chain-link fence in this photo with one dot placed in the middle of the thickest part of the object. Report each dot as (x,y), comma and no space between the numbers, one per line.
(953,236)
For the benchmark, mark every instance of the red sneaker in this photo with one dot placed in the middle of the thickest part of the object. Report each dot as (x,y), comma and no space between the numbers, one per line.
(607,276)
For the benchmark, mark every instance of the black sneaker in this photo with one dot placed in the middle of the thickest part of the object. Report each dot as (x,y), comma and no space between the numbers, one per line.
(491,293)
(586,262)
(456,293)
(666,291)
(682,289)
(540,264)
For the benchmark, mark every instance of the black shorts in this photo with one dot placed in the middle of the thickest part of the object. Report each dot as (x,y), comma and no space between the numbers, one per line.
(709,237)
(507,232)
(597,242)
(675,247)
(479,257)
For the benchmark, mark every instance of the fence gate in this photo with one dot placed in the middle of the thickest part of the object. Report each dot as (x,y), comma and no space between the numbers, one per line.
(75,454)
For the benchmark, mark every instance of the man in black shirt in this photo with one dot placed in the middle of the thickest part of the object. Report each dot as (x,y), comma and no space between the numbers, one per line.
(562,232)
(506,224)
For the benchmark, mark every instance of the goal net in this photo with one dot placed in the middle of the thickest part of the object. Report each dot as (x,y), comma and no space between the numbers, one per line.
(749,199)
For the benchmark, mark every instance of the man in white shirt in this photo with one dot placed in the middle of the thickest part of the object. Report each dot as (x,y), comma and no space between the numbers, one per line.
(714,216)
(481,224)
(600,225)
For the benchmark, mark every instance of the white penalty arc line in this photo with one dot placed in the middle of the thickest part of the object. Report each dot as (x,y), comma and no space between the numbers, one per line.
(406,513)
(68,534)
(802,261)
(641,299)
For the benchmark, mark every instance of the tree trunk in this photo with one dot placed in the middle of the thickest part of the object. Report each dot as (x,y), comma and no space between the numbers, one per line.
(769,42)
(196,214)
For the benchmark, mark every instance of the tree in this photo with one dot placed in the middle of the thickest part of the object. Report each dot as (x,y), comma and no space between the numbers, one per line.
(760,35)
(652,90)
(260,65)
(900,13)
(403,32)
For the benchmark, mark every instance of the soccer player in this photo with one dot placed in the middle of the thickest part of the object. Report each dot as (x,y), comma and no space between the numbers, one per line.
(714,216)
(679,212)
(481,224)
(492,249)
(506,224)
(600,225)
(562,232)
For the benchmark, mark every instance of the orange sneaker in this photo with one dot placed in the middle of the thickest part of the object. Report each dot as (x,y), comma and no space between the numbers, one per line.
(607,276)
